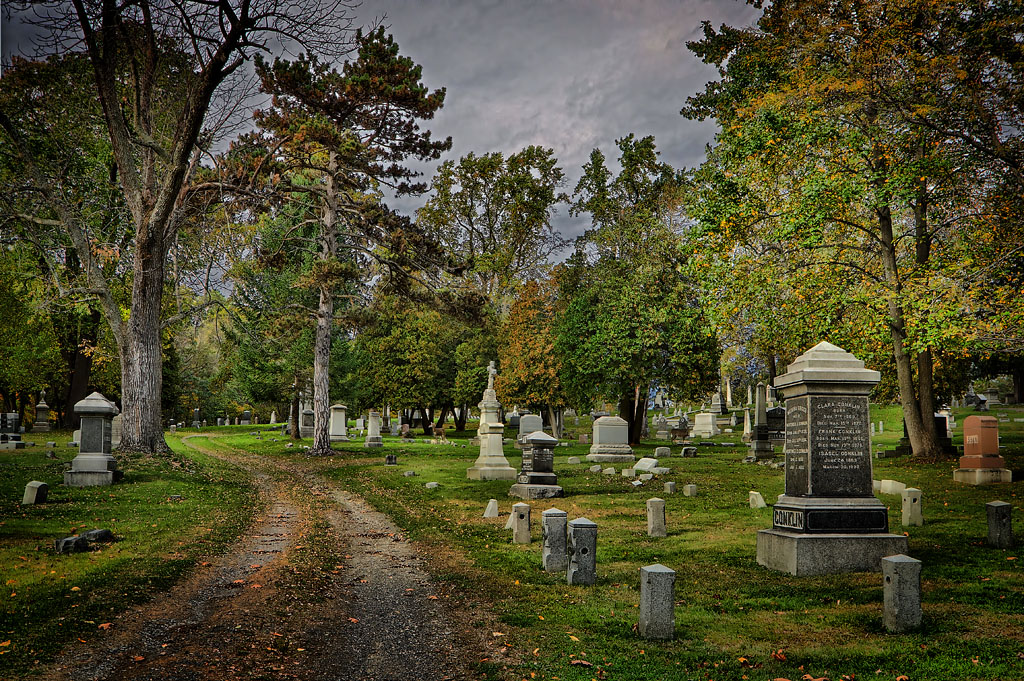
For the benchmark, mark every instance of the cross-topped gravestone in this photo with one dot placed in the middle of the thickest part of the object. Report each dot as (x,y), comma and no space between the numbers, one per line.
(829,520)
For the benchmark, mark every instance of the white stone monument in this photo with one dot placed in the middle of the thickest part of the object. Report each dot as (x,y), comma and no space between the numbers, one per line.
(339,423)
(491,464)
(373,438)
(705,424)
(611,441)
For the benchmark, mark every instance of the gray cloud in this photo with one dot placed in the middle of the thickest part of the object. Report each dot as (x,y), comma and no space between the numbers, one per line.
(567,74)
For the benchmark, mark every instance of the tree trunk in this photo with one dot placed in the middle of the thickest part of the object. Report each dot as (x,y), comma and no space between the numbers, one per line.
(555,420)
(328,251)
(631,410)
(425,421)
(442,418)
(460,417)
(141,361)
(294,416)
(923,443)
(772,369)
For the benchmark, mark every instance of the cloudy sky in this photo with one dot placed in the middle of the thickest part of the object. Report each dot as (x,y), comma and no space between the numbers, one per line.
(567,74)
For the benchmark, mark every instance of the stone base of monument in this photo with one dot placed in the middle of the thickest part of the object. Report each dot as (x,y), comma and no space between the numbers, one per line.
(91,478)
(11,445)
(982,476)
(762,449)
(374,441)
(41,427)
(531,491)
(483,472)
(340,438)
(825,554)
(610,453)
(611,458)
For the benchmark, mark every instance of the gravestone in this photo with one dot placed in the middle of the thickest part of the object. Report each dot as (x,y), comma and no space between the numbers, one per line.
(116,431)
(776,419)
(390,459)
(94,466)
(584,439)
(748,428)
(373,438)
(42,422)
(755,500)
(611,441)
(689,490)
(220,421)
(573,460)
(529,423)
(339,423)
(760,438)
(491,464)
(195,418)
(306,422)
(901,593)
(35,493)
(273,417)
(750,398)
(705,424)
(246,418)
(537,479)
(981,463)
(492,509)
(582,568)
(555,552)
(10,431)
(670,487)
(661,428)
(1000,524)
(657,602)
(396,428)
(718,406)
(520,523)
(912,515)
(656,518)
(829,520)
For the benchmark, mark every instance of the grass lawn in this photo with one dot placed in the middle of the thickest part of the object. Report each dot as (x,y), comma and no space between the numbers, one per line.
(734,619)
(50,600)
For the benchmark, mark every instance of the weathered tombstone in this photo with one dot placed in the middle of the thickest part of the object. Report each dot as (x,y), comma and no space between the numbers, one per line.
(718,406)
(981,463)
(656,518)
(611,441)
(246,419)
(94,466)
(555,552)
(220,421)
(670,487)
(339,423)
(373,438)
(582,568)
(390,459)
(537,479)
(750,398)
(646,464)
(492,509)
(901,593)
(529,423)
(689,490)
(431,485)
(756,500)
(306,421)
(116,431)
(273,417)
(705,424)
(748,429)
(35,493)
(829,520)
(609,471)
(657,602)
(628,473)
(688,452)
(203,424)
(596,468)
(521,523)
(881,426)
(584,439)
(662,451)
(776,419)
(912,516)
(42,422)
(396,428)
(195,418)
(10,431)
(572,460)
(1000,524)
(491,464)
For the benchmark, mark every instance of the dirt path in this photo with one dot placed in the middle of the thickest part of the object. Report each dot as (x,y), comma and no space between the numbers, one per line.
(322,587)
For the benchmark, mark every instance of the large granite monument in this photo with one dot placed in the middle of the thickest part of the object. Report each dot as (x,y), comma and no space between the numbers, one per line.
(94,466)
(491,464)
(829,520)
(537,479)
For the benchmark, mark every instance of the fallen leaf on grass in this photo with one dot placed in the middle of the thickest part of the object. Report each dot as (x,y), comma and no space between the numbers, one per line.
(779,655)
(238,581)
(574,638)
(5,643)
(431,598)
(138,658)
(496,634)
(581,663)
(353,620)
(536,652)
(75,588)
(104,626)
(902,677)
(256,586)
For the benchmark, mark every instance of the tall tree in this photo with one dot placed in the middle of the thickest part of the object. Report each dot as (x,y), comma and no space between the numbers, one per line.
(158,67)
(838,157)
(334,137)
(629,317)
(494,213)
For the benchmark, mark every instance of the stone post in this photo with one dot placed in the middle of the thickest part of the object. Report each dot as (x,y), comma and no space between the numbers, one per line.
(1000,524)
(829,520)
(912,516)
(521,523)
(670,487)
(656,518)
(94,466)
(42,422)
(657,602)
(492,509)
(555,552)
(689,490)
(901,593)
(582,568)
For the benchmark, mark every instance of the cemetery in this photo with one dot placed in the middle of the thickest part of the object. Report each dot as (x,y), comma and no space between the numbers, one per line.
(512,341)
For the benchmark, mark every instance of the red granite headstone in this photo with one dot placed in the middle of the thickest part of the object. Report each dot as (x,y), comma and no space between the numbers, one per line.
(981,436)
